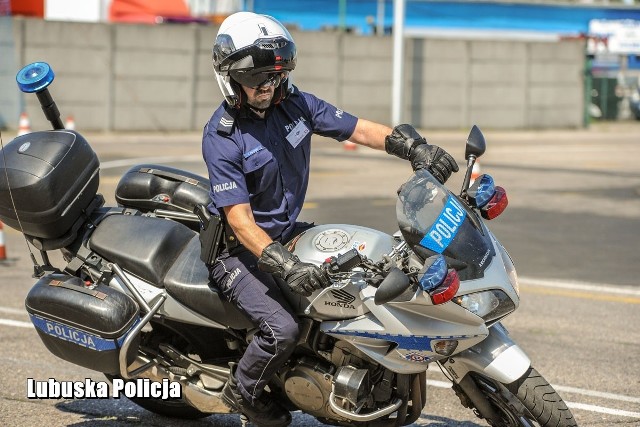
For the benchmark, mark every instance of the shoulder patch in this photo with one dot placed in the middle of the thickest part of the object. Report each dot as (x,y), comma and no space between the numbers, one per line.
(228,119)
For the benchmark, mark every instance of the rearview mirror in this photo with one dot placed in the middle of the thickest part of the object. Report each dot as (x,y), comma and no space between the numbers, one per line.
(392,286)
(476,144)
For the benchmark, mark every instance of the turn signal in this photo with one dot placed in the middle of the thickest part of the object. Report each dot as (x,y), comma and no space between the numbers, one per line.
(445,347)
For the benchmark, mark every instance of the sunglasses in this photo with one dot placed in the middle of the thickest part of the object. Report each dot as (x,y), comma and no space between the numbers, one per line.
(256,80)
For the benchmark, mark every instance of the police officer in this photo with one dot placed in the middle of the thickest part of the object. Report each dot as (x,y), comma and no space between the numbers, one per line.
(257,147)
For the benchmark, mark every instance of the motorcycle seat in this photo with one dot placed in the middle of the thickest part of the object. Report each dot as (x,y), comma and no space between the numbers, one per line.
(165,254)
(188,282)
(143,246)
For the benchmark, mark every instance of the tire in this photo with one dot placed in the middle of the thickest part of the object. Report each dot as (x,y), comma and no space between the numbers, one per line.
(527,402)
(175,408)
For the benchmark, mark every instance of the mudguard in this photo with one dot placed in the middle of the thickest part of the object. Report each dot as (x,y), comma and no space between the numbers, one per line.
(497,357)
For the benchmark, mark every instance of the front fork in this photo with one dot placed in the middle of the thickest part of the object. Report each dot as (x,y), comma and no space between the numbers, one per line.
(497,357)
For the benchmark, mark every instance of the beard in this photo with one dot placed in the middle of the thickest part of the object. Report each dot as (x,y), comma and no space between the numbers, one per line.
(261,100)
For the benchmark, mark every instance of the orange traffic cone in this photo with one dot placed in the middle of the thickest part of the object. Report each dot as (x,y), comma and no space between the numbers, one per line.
(24,127)
(350,146)
(475,172)
(70,123)
(3,249)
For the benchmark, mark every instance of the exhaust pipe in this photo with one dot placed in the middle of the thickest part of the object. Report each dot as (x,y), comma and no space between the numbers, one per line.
(204,400)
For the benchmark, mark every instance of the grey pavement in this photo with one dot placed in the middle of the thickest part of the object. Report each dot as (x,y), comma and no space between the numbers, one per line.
(577,192)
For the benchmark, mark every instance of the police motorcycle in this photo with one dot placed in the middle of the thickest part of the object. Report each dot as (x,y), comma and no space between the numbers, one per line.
(134,300)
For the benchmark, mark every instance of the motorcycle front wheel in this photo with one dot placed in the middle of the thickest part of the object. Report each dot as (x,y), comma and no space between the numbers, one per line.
(530,401)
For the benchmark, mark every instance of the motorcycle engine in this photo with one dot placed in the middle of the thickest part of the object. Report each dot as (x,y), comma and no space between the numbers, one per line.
(308,385)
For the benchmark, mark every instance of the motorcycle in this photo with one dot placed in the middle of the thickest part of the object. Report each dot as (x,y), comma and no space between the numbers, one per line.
(134,299)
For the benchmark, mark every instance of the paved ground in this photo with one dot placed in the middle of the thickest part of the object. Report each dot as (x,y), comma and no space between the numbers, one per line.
(572,226)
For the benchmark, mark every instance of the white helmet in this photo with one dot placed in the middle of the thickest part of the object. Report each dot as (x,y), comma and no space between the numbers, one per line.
(253,50)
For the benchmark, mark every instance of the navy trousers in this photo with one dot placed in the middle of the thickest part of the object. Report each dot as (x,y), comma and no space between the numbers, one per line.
(258,296)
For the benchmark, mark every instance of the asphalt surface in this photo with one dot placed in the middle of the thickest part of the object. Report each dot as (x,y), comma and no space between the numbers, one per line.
(572,228)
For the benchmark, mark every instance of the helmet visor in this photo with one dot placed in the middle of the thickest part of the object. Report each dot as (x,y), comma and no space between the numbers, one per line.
(260,79)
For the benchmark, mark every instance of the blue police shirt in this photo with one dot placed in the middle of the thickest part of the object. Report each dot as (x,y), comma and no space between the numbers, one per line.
(265,162)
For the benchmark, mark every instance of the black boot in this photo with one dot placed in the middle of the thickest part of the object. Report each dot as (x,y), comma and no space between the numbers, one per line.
(262,413)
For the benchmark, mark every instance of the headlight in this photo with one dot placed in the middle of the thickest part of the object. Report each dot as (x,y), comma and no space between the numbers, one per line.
(490,305)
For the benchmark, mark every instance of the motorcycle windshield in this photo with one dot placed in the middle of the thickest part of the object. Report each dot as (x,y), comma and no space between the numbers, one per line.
(434,221)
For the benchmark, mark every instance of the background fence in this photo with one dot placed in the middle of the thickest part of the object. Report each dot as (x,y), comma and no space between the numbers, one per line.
(139,77)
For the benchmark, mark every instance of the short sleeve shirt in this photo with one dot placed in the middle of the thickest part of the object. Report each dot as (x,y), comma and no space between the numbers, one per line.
(265,162)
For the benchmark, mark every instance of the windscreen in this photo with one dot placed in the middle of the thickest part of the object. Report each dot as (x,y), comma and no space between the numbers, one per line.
(434,221)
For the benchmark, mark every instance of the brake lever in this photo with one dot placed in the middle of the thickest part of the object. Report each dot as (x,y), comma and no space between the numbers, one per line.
(307,310)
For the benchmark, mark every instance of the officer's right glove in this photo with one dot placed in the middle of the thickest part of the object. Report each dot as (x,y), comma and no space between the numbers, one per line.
(303,278)
(405,142)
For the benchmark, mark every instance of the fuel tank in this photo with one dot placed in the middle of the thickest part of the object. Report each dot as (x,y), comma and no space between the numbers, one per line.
(319,243)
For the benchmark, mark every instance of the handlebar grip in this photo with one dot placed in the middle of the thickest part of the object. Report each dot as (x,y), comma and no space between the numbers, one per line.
(343,263)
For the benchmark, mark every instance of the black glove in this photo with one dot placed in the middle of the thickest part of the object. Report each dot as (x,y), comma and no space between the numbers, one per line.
(433,158)
(303,278)
(405,142)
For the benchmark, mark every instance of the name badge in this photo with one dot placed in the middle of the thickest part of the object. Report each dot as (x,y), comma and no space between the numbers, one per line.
(297,134)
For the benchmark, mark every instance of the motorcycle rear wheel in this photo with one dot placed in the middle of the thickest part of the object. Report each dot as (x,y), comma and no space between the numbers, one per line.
(530,401)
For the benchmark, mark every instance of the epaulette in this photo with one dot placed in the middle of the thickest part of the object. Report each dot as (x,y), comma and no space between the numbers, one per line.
(228,119)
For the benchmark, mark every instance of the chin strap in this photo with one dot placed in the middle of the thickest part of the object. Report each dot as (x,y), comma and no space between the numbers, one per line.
(228,119)
(281,92)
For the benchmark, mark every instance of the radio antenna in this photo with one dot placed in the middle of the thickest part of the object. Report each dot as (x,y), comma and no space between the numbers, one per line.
(38,271)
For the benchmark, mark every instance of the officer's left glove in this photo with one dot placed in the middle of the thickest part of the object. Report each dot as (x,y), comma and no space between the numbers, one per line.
(302,277)
(405,142)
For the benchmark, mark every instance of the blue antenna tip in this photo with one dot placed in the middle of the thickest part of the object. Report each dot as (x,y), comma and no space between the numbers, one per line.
(35,77)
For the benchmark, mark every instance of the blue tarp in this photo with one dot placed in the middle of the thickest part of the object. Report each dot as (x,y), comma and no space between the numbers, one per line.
(316,14)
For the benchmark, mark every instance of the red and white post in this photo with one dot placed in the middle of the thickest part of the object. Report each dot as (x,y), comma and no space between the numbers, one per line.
(3,248)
